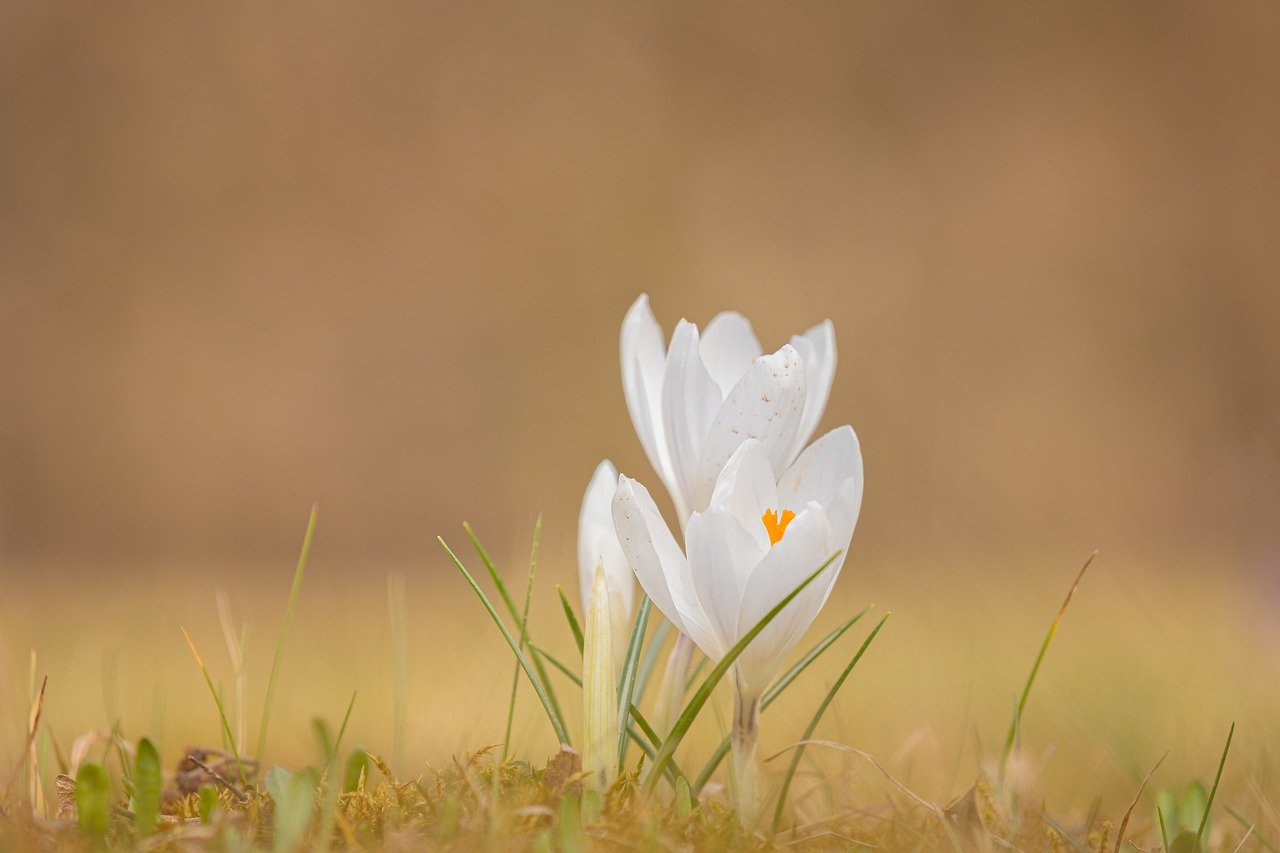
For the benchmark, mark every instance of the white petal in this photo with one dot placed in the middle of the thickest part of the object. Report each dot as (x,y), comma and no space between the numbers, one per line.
(767,404)
(657,560)
(817,348)
(829,472)
(728,347)
(643,352)
(805,546)
(690,400)
(822,468)
(598,542)
(842,515)
(746,489)
(722,556)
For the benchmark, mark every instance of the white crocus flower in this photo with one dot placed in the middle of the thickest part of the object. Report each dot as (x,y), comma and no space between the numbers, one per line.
(694,402)
(760,537)
(598,546)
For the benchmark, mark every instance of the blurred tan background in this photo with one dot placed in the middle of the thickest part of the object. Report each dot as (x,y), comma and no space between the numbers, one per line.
(376,256)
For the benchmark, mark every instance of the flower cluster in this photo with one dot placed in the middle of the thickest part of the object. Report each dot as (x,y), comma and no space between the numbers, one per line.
(759,509)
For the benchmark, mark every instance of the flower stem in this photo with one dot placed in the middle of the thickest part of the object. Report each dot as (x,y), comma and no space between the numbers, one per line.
(744,781)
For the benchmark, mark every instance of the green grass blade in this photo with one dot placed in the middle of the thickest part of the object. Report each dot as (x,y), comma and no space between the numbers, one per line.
(557,663)
(627,679)
(1035,667)
(1164,832)
(93,802)
(809,657)
(492,569)
(294,591)
(342,729)
(817,716)
(694,673)
(522,622)
(217,701)
(650,661)
(147,783)
(575,627)
(776,690)
(520,619)
(329,755)
(695,704)
(556,723)
(1213,792)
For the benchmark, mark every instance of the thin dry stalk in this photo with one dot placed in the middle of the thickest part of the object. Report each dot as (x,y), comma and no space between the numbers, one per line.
(1124,824)
(241,796)
(932,808)
(33,725)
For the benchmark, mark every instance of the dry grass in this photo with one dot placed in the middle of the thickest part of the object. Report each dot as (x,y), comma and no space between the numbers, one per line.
(1145,663)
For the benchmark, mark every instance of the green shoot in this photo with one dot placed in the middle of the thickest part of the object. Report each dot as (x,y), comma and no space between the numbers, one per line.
(93,802)
(147,783)
(294,796)
(294,591)
(817,716)
(207,803)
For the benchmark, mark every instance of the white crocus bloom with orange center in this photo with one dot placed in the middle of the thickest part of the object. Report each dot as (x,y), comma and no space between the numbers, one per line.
(695,401)
(759,538)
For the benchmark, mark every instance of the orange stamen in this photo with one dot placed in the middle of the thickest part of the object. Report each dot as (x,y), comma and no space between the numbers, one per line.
(775,525)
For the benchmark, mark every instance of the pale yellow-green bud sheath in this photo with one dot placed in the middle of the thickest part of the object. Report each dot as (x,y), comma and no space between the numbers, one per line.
(599,690)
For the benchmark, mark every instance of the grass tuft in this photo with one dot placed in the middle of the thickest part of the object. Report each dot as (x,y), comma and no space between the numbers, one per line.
(557,724)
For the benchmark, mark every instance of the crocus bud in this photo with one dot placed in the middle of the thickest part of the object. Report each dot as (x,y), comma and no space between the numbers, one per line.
(599,690)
